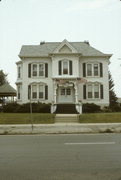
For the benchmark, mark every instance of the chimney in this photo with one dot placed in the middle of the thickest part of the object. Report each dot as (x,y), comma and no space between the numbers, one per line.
(42,42)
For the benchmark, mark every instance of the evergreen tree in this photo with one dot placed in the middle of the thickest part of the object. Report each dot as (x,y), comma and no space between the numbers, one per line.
(112,96)
(3,77)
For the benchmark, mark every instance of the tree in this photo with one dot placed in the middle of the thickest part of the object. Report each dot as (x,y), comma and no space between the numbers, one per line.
(3,78)
(112,96)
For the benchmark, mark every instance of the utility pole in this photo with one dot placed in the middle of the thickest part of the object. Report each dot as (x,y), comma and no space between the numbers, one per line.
(31,119)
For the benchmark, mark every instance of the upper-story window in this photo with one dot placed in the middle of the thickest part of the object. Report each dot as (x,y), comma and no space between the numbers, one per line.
(38,70)
(92,70)
(65,67)
(19,71)
(34,70)
(41,69)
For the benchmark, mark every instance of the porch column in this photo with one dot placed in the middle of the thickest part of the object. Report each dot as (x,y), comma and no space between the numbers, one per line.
(55,93)
(76,93)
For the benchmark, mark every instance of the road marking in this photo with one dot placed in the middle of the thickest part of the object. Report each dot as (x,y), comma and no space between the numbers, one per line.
(91,143)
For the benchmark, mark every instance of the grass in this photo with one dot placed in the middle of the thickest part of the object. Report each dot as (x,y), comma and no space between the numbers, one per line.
(100,118)
(25,118)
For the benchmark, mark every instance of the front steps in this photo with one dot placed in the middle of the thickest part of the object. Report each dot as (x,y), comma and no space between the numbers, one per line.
(66,109)
(66,118)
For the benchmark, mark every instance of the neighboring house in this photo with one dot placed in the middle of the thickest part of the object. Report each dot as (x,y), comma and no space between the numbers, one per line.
(63,73)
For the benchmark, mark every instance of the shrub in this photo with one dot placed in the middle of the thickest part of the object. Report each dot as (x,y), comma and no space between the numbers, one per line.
(11,107)
(25,108)
(90,108)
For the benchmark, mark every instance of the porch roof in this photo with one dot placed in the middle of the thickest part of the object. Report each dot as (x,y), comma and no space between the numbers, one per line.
(7,90)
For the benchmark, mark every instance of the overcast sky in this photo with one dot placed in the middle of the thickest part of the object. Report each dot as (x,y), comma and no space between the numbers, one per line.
(27,22)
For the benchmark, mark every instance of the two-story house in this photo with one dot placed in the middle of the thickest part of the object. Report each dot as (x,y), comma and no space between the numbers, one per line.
(63,73)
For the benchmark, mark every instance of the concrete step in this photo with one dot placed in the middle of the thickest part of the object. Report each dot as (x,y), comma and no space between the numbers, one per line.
(66,118)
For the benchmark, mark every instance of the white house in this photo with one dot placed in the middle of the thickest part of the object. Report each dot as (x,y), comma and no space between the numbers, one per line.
(63,73)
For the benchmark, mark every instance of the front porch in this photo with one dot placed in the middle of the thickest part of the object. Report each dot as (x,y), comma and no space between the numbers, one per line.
(65,97)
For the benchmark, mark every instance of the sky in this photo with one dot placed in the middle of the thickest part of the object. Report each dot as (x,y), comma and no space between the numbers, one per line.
(28,22)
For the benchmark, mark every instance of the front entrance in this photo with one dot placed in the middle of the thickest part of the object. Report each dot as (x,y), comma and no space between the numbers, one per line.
(65,95)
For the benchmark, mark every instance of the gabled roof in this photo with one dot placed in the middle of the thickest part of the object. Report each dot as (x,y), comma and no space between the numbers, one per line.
(47,48)
(7,90)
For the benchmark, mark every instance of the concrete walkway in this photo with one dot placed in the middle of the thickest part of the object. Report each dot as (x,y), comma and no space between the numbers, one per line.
(61,128)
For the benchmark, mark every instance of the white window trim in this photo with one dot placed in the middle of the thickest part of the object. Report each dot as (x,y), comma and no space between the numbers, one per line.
(92,84)
(92,64)
(37,70)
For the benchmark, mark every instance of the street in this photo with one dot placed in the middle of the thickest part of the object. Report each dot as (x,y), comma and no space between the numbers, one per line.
(60,157)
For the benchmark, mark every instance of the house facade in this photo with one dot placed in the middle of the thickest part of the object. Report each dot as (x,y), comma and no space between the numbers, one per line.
(63,73)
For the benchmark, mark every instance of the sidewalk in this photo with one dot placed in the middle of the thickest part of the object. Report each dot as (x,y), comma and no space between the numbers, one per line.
(60,128)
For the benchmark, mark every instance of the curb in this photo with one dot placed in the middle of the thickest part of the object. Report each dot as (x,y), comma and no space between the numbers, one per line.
(60,128)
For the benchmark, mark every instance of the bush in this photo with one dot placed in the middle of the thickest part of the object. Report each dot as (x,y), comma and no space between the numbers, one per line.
(11,107)
(90,108)
(25,108)
(115,108)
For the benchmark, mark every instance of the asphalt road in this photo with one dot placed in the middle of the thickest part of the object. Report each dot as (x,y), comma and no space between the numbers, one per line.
(61,157)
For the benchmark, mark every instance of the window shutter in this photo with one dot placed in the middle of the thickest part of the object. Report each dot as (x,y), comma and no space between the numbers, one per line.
(46,92)
(84,69)
(46,70)
(70,67)
(101,70)
(84,91)
(29,91)
(29,70)
(101,91)
(59,67)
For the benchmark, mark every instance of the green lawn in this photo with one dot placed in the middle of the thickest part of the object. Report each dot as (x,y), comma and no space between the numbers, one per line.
(25,118)
(100,118)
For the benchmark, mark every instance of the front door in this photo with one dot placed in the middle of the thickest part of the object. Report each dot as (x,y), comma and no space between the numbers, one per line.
(65,95)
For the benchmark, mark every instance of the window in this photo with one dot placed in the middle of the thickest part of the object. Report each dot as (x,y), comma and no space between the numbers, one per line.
(93,91)
(65,67)
(19,92)
(41,69)
(96,70)
(34,91)
(68,91)
(19,72)
(96,91)
(38,91)
(62,91)
(92,69)
(89,91)
(89,69)
(34,70)
(65,92)
(41,91)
